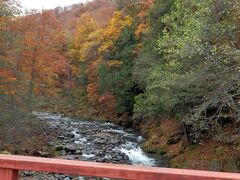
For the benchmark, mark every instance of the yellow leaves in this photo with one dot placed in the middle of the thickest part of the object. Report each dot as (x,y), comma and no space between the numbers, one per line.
(90,39)
(140,29)
(87,50)
(89,45)
(120,20)
(113,64)
(85,26)
(113,30)
(85,39)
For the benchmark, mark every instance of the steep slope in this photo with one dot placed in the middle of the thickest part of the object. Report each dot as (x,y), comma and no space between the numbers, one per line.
(100,10)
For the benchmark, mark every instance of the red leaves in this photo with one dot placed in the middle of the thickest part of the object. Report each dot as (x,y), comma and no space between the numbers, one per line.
(41,43)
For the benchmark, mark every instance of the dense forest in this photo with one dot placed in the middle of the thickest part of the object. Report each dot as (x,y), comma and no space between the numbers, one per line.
(170,68)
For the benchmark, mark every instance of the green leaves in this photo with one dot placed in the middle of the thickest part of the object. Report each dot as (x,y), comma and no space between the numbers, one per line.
(119,80)
(196,63)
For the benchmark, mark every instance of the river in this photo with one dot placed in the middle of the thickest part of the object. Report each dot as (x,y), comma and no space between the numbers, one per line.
(97,141)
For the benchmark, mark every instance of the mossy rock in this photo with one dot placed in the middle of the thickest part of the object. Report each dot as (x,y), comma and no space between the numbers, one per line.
(5,152)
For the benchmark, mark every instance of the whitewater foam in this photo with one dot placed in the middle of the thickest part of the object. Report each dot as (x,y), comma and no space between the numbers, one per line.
(136,155)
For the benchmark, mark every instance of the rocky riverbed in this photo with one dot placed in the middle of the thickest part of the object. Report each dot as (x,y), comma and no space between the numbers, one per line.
(94,141)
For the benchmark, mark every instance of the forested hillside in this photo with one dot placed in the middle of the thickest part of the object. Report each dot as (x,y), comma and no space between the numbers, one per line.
(170,68)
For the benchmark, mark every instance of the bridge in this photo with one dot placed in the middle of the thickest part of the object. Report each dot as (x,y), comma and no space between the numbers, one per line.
(10,166)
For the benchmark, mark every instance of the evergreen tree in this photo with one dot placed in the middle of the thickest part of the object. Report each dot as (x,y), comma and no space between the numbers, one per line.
(116,73)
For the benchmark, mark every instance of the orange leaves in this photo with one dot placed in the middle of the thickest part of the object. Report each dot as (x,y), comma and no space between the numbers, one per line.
(145,5)
(4,72)
(41,53)
(140,29)
(113,30)
(92,70)
(92,93)
(88,48)
(107,105)
(3,23)
(6,75)
(7,78)
(92,88)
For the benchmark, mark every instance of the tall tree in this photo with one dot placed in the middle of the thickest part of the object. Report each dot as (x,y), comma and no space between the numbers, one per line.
(42,56)
(116,73)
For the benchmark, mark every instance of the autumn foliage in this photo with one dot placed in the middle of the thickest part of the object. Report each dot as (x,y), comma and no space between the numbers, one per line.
(125,59)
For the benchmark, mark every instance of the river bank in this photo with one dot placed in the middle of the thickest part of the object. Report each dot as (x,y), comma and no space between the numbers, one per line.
(89,140)
(166,137)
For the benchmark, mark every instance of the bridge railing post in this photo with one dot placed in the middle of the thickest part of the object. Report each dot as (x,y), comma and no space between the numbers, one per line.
(8,174)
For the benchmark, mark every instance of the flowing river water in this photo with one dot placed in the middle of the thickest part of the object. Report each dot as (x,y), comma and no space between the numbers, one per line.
(97,141)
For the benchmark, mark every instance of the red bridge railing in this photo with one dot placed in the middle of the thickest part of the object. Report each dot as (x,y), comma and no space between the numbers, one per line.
(10,165)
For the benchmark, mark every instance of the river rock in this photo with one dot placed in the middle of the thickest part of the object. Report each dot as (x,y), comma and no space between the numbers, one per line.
(83,140)
(70,147)
(50,143)
(67,178)
(106,158)
(99,141)
(59,148)
(88,137)
(5,152)
(125,157)
(41,154)
(64,153)
(103,135)
(61,137)
(118,158)
(77,142)
(72,134)
(65,141)
(114,141)
(78,152)
(27,173)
